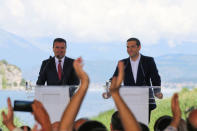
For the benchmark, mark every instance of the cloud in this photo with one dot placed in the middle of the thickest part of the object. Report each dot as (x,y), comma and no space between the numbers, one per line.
(101,20)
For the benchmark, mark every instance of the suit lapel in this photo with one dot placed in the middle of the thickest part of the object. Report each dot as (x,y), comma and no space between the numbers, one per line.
(53,65)
(128,71)
(140,75)
(65,67)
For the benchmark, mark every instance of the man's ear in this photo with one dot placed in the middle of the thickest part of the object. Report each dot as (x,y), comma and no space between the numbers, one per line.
(53,48)
(139,47)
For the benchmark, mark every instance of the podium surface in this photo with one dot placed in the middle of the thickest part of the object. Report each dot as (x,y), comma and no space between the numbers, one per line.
(137,99)
(54,99)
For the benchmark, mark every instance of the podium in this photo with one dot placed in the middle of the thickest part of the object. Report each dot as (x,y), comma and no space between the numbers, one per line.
(137,99)
(54,99)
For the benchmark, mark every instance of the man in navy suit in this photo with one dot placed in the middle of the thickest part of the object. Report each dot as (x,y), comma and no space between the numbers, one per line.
(58,70)
(141,70)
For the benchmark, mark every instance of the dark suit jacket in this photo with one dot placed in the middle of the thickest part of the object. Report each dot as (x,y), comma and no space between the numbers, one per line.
(147,73)
(48,73)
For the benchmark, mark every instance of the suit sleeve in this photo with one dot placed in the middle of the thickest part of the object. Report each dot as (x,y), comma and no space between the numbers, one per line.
(73,79)
(42,76)
(155,78)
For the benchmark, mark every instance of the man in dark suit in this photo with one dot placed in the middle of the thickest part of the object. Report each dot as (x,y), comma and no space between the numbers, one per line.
(58,70)
(141,71)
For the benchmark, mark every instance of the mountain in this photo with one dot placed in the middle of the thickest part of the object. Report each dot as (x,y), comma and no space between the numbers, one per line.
(178,68)
(19,51)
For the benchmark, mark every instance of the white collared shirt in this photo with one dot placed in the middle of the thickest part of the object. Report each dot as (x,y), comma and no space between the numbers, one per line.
(57,62)
(134,67)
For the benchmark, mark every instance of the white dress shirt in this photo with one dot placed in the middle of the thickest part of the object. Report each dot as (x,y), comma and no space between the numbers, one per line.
(134,67)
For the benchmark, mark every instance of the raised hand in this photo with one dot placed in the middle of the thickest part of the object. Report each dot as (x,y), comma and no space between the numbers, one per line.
(41,115)
(72,109)
(116,81)
(176,111)
(120,74)
(8,119)
(78,66)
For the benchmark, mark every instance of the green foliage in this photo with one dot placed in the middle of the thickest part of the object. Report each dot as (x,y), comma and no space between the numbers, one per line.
(195,90)
(4,82)
(2,72)
(23,82)
(184,90)
(105,118)
(4,62)
(187,99)
(16,122)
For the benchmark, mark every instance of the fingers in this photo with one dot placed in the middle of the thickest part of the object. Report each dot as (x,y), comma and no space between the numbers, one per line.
(78,63)
(35,128)
(36,104)
(33,105)
(120,73)
(175,99)
(113,86)
(175,104)
(79,60)
(9,104)
(159,95)
(113,82)
(121,66)
(4,116)
(78,67)
(10,109)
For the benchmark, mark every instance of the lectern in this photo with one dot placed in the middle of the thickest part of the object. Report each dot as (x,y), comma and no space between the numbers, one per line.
(54,99)
(137,99)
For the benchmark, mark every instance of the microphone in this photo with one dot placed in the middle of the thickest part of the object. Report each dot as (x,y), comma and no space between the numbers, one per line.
(47,63)
(144,76)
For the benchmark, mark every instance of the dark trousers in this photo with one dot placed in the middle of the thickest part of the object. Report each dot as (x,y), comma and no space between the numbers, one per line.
(151,107)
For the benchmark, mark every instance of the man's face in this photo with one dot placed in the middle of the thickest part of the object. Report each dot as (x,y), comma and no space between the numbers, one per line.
(133,49)
(59,49)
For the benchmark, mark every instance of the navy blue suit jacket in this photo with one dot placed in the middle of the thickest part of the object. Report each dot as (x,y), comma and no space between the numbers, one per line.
(147,75)
(48,73)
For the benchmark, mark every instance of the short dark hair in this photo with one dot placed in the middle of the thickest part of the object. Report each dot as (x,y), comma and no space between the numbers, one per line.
(136,40)
(190,127)
(28,128)
(116,122)
(59,40)
(143,126)
(162,123)
(92,125)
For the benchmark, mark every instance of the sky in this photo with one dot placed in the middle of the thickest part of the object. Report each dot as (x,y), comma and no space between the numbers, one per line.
(104,24)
